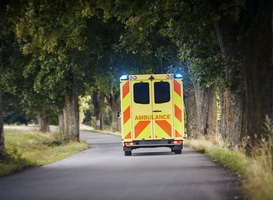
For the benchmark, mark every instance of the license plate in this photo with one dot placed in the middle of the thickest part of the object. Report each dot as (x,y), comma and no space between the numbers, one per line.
(153,142)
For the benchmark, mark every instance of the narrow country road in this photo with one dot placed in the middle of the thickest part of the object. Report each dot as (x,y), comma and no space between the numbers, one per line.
(104,173)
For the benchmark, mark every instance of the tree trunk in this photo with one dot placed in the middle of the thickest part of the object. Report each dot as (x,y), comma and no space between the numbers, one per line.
(115,121)
(212,112)
(231,118)
(231,98)
(3,152)
(206,109)
(43,122)
(61,122)
(258,70)
(98,103)
(71,112)
(245,38)
(223,115)
(113,101)
(192,122)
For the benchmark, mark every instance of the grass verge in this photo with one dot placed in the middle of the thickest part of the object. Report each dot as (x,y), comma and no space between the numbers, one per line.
(32,148)
(235,161)
(256,171)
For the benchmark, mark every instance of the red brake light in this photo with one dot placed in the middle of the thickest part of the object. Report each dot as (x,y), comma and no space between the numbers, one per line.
(129,143)
(176,142)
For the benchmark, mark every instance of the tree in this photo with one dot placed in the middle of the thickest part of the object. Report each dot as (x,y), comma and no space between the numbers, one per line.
(3,7)
(13,83)
(193,34)
(244,30)
(55,33)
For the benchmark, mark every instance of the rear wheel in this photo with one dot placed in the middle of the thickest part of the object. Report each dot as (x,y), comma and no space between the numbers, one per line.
(127,153)
(178,151)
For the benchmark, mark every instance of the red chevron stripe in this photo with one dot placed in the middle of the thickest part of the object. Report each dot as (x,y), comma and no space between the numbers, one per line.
(140,126)
(178,113)
(128,136)
(177,87)
(177,134)
(126,115)
(125,89)
(165,126)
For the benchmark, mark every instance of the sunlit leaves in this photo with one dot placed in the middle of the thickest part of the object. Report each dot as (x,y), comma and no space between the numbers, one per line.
(46,28)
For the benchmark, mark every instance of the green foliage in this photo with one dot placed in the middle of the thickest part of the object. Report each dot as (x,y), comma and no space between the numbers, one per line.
(12,163)
(55,140)
(170,30)
(47,76)
(191,29)
(46,27)
(55,44)
(14,85)
(83,106)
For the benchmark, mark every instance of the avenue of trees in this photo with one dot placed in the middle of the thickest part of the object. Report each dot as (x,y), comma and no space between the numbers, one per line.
(52,53)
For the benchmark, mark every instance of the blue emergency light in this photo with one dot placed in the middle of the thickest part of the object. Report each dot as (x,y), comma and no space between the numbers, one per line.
(177,75)
(124,77)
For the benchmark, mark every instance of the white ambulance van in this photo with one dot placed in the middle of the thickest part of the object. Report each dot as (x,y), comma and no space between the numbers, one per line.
(152,112)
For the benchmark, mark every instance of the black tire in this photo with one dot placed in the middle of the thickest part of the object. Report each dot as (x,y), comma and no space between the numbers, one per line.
(178,151)
(127,153)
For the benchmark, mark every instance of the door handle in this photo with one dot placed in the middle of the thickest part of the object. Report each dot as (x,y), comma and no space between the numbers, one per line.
(157,110)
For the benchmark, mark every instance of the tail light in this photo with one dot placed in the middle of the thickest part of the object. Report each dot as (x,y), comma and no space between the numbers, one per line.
(176,142)
(129,143)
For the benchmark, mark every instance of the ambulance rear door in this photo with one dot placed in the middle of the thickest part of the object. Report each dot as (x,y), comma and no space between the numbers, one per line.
(162,106)
(152,107)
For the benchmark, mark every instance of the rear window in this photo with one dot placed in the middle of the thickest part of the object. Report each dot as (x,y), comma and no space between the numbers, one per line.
(141,93)
(161,92)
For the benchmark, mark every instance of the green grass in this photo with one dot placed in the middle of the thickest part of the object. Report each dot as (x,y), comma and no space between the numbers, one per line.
(235,161)
(31,148)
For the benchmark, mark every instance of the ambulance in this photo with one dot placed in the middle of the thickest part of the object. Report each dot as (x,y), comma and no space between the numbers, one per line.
(152,112)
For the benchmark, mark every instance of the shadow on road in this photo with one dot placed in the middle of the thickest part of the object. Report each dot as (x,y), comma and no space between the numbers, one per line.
(156,153)
(149,152)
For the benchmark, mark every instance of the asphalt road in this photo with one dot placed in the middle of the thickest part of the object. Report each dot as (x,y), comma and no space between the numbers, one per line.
(104,173)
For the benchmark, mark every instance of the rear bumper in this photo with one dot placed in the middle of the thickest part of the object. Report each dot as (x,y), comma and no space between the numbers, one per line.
(173,144)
